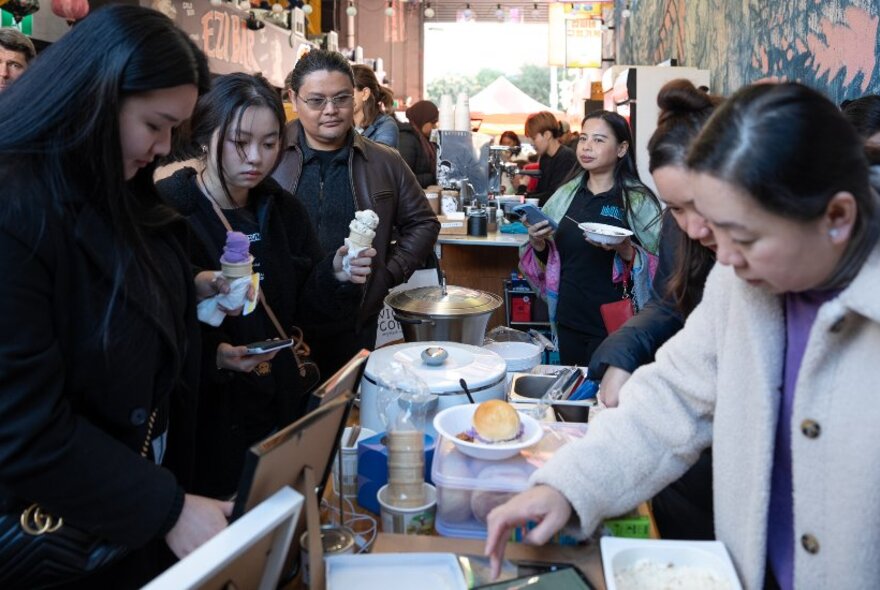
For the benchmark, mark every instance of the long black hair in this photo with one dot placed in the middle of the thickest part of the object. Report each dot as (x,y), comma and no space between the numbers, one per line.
(791,150)
(66,124)
(684,109)
(221,109)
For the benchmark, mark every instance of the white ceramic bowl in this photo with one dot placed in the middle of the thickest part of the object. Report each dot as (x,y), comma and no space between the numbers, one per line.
(605,234)
(519,356)
(457,419)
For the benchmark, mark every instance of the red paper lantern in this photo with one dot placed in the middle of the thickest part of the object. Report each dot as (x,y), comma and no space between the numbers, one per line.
(70,10)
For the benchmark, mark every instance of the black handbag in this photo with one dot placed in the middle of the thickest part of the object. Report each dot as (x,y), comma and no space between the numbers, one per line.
(40,550)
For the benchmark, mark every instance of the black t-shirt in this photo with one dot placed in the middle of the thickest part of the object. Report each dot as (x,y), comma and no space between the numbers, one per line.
(553,171)
(585,283)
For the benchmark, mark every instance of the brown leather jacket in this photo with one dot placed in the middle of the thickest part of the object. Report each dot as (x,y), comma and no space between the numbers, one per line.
(381,181)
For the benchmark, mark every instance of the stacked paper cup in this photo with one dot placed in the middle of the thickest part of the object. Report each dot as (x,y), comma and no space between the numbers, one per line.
(406,468)
(462,113)
(447,113)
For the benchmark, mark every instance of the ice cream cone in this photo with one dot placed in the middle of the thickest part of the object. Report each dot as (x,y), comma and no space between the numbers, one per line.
(236,270)
(360,240)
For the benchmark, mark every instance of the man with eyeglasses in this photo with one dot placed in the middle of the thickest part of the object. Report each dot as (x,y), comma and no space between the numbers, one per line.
(335,172)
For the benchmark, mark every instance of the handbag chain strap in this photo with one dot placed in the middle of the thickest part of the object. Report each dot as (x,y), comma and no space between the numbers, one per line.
(36,521)
(299,344)
(627,275)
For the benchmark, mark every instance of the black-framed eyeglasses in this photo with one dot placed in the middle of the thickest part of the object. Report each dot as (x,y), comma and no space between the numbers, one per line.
(340,101)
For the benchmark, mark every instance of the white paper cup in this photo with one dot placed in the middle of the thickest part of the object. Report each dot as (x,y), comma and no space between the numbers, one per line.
(349,463)
(409,521)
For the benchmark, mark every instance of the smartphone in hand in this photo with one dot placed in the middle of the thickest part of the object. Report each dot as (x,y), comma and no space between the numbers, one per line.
(534,215)
(268,346)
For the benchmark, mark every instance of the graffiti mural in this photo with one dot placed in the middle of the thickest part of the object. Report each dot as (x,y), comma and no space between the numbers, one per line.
(830,45)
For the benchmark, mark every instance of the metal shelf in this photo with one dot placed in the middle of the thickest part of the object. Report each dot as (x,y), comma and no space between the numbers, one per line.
(538,305)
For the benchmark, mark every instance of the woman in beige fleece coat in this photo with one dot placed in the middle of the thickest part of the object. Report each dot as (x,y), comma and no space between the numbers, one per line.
(782,180)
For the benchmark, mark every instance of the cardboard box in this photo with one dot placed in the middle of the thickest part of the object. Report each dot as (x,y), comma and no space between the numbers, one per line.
(452,226)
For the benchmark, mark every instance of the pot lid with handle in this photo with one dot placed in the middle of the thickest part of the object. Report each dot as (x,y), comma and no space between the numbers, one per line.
(454,301)
(479,367)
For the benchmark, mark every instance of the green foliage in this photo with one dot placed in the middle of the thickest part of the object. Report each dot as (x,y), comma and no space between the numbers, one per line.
(531,79)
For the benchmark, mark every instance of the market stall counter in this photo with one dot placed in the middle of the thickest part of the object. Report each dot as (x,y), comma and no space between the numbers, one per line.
(482,263)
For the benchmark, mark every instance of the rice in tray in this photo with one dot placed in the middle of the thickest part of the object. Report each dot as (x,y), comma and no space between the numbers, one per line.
(651,575)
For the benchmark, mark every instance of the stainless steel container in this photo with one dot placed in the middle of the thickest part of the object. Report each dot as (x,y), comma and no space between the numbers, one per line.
(335,541)
(444,313)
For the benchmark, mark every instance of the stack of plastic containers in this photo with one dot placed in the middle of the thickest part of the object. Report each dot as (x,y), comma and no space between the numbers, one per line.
(468,488)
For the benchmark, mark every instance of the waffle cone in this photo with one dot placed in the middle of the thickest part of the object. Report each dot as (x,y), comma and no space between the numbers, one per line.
(236,270)
(359,240)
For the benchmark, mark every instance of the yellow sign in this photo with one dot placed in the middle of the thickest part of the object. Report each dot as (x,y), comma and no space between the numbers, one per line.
(575,35)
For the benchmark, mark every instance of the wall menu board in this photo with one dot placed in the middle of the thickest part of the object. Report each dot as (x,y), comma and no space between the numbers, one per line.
(220,32)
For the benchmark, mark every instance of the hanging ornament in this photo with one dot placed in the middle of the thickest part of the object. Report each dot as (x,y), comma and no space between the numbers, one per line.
(389,10)
(429,12)
(21,8)
(277,8)
(70,10)
(351,10)
(307,9)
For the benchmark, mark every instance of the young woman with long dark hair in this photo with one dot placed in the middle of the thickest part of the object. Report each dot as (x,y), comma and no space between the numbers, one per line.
(236,133)
(100,340)
(577,277)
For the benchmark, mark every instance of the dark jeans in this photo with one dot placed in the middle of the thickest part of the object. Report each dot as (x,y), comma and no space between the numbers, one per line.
(683,510)
(576,348)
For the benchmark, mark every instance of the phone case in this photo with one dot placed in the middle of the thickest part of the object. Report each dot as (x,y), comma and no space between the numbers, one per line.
(534,215)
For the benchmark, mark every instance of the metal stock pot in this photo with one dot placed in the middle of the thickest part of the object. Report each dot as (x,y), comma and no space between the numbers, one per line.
(444,313)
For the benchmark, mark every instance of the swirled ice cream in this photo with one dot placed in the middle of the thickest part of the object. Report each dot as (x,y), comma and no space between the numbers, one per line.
(362,228)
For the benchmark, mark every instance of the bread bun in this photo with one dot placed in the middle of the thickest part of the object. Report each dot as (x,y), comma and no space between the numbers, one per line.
(496,421)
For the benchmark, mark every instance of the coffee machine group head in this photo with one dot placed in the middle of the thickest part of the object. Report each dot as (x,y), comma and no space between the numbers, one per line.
(497,166)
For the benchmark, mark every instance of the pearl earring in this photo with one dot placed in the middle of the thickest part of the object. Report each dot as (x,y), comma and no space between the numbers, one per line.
(833,233)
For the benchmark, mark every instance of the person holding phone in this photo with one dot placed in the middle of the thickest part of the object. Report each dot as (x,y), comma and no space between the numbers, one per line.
(100,342)
(775,368)
(236,134)
(575,277)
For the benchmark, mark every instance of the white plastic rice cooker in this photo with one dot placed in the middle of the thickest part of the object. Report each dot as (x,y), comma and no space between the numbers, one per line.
(484,372)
